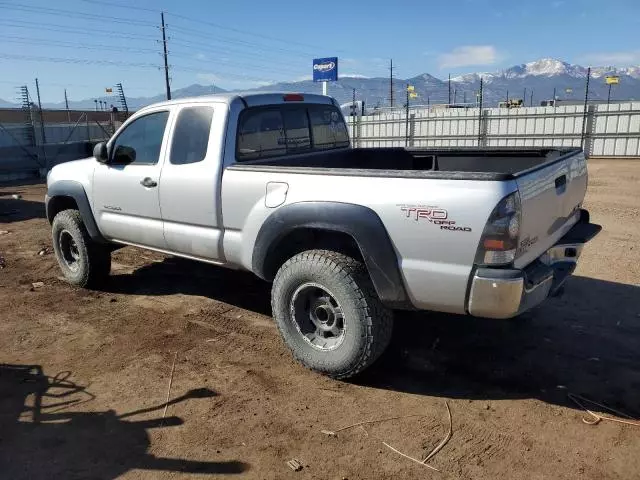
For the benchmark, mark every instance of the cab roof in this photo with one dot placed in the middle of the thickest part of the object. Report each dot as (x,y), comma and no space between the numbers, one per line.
(250,99)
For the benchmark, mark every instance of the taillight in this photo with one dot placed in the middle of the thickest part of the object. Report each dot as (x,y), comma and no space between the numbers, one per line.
(499,240)
(293,97)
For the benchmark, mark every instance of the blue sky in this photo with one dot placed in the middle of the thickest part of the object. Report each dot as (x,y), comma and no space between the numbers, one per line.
(87,45)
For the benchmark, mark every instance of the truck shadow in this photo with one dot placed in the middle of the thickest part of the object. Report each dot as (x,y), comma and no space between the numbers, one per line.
(18,209)
(39,440)
(587,342)
(178,275)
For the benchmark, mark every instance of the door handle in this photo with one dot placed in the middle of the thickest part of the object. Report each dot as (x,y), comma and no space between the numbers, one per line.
(148,182)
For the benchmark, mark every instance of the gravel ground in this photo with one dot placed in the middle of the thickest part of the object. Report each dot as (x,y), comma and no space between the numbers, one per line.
(84,374)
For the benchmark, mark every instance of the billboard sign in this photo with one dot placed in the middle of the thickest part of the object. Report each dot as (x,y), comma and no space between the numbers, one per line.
(612,80)
(325,69)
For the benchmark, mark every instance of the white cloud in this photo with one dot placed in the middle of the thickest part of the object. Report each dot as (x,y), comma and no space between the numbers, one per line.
(631,57)
(469,55)
(201,56)
(353,75)
(302,78)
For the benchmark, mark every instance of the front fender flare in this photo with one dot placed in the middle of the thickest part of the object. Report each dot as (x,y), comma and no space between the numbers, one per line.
(74,190)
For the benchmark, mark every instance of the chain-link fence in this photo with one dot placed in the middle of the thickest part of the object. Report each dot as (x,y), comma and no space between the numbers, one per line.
(32,141)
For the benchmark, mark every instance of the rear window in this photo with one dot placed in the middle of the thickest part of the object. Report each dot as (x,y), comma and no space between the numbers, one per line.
(329,130)
(272,131)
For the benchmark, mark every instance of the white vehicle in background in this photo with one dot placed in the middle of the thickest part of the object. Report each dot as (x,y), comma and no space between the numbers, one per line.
(356,108)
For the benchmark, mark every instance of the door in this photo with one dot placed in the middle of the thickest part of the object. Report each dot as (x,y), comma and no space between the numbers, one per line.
(125,191)
(189,197)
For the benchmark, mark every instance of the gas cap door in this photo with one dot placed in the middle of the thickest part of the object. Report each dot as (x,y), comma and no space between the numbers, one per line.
(276,194)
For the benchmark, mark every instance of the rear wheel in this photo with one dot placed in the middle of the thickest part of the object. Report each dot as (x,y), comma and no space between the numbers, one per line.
(83,262)
(328,313)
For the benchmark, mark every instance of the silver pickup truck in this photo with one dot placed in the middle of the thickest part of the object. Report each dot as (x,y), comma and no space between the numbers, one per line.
(270,184)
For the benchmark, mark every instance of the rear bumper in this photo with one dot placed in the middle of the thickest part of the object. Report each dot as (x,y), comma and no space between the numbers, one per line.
(505,293)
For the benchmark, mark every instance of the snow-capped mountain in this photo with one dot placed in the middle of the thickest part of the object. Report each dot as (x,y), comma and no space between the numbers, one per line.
(536,80)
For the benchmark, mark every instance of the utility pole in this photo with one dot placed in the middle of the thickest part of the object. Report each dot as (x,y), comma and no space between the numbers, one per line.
(480,113)
(609,94)
(531,104)
(166,61)
(455,95)
(44,138)
(391,83)
(507,98)
(66,103)
(406,125)
(449,89)
(584,113)
(353,117)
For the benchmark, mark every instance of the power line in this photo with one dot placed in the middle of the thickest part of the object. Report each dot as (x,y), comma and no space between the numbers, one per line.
(79,61)
(129,7)
(245,32)
(282,67)
(205,22)
(74,14)
(80,31)
(224,73)
(199,34)
(65,84)
(208,47)
(74,45)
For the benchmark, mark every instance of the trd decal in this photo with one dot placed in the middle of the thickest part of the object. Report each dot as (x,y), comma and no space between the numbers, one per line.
(435,215)
(454,228)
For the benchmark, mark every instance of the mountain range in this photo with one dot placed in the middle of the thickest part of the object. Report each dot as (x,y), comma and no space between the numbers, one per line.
(541,78)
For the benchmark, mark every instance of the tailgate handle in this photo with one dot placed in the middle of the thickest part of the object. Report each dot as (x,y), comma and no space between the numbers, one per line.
(561,181)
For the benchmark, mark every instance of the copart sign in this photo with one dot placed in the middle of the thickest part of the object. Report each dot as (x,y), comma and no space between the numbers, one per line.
(325,69)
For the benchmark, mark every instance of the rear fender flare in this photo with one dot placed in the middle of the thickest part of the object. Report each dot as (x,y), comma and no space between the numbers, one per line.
(357,221)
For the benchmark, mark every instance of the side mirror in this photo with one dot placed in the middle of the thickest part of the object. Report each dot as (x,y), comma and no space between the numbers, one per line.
(124,155)
(101,153)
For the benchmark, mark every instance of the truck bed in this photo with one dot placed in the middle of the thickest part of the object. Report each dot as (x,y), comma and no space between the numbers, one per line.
(459,163)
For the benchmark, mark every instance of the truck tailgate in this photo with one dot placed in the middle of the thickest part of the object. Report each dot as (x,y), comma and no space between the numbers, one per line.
(551,197)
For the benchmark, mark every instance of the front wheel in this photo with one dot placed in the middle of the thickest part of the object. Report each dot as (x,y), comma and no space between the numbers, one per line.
(328,313)
(83,262)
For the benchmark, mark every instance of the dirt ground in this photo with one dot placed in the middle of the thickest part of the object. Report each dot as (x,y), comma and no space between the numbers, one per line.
(84,375)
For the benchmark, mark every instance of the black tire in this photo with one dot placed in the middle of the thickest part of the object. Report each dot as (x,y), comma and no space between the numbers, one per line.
(366,324)
(83,262)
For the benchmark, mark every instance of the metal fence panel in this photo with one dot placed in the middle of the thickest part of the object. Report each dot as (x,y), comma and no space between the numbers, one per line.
(610,130)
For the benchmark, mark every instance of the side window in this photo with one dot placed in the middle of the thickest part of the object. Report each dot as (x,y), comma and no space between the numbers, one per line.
(329,130)
(261,134)
(191,135)
(140,141)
